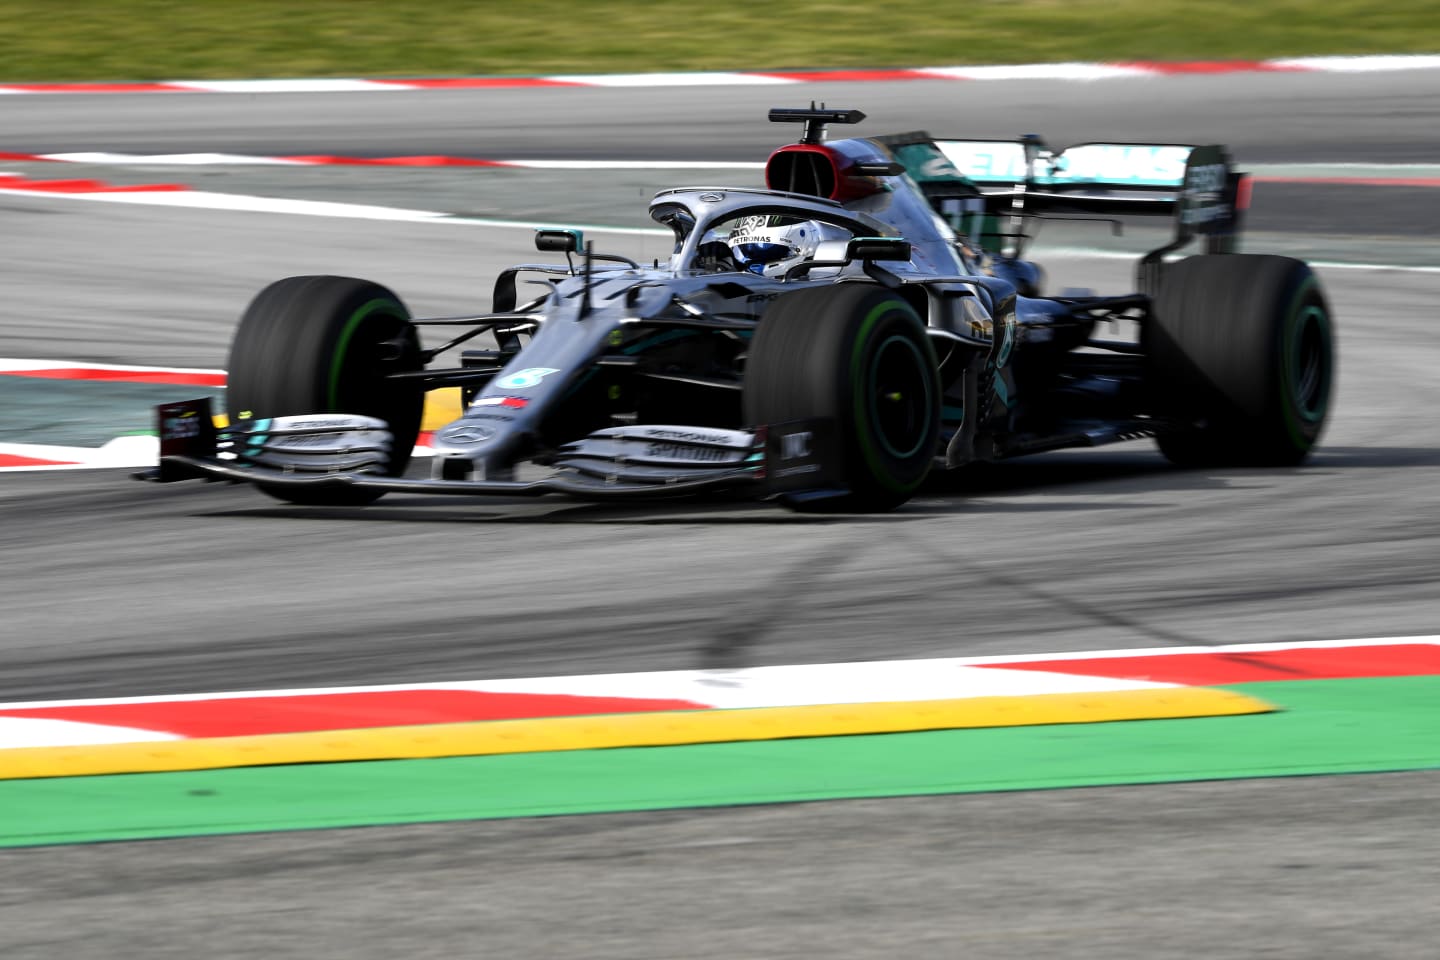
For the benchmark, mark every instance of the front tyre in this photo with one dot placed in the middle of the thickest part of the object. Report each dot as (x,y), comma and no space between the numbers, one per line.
(858,354)
(1240,348)
(327,345)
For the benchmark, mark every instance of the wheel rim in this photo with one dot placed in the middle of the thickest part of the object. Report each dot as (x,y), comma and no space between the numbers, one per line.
(899,396)
(1310,364)
(365,351)
(377,341)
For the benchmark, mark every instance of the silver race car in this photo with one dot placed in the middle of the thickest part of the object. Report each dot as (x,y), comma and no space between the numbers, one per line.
(826,342)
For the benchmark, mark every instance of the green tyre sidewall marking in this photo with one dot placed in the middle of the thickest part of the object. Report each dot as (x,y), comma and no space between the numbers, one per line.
(860,403)
(342,344)
(1297,317)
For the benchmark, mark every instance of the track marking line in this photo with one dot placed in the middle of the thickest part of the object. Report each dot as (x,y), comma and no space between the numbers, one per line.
(204,200)
(16,461)
(131,451)
(1371,64)
(1065,72)
(300,85)
(623,730)
(67,733)
(1045,71)
(837,699)
(820,682)
(142,449)
(82,370)
(1422,175)
(197,199)
(1097,253)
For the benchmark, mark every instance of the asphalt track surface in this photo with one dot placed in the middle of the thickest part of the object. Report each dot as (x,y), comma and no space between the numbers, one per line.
(114,588)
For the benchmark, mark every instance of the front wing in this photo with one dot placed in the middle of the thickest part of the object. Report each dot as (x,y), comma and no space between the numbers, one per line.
(791,459)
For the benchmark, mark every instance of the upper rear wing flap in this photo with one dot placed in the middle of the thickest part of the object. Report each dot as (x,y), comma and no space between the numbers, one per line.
(1195,185)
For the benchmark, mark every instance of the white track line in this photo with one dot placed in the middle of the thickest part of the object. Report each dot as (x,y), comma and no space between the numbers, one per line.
(170,159)
(14,365)
(1063,72)
(39,732)
(131,452)
(202,200)
(1094,253)
(712,79)
(721,680)
(1298,171)
(300,85)
(1376,64)
(1040,71)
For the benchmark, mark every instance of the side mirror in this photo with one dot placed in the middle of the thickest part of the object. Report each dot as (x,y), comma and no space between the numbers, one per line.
(559,241)
(877,248)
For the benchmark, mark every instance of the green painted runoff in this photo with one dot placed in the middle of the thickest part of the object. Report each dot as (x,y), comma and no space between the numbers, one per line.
(1326,727)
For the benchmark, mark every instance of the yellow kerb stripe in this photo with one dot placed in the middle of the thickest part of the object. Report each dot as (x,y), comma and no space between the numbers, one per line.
(623,730)
(441,407)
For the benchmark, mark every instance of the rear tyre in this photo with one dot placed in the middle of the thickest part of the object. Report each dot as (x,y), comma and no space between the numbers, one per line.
(326,345)
(1241,348)
(859,354)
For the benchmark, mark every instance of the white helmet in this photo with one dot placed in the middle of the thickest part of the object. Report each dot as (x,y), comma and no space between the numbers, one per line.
(770,245)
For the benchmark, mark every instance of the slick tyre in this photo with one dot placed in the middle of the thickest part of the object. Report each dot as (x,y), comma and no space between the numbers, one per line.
(1240,348)
(858,354)
(326,345)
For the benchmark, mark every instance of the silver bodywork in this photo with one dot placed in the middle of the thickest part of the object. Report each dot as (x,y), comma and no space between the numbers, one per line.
(604,323)
(580,316)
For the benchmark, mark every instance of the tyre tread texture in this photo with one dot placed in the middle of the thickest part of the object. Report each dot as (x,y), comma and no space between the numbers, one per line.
(281,362)
(799,367)
(1214,350)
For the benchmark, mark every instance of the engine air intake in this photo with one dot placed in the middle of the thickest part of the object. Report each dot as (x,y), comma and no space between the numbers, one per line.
(802,170)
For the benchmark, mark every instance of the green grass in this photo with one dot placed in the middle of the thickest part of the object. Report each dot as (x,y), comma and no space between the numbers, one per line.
(70,40)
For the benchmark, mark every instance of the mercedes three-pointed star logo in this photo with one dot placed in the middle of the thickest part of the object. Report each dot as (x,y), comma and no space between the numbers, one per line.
(469,434)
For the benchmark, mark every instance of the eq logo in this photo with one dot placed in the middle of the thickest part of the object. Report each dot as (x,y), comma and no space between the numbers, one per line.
(796,446)
(1206,179)
(182,427)
(1204,195)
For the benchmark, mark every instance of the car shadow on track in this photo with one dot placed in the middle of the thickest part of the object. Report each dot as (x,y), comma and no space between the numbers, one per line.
(421,509)
(1070,481)
(998,487)
(1348,458)
(983,488)
(1141,470)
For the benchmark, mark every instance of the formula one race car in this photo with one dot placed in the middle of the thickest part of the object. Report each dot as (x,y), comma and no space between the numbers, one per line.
(826,342)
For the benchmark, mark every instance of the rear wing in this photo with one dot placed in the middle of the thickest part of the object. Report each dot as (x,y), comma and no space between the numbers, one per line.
(1194,185)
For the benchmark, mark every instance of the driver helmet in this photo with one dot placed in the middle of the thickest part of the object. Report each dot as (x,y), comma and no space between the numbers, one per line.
(770,245)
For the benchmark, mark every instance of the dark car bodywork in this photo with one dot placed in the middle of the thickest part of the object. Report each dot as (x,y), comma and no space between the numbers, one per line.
(615,379)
